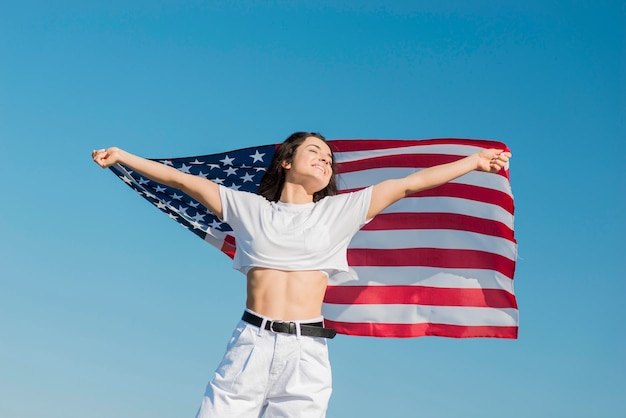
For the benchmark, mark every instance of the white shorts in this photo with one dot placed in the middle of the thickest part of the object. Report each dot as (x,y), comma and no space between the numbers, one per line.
(265,373)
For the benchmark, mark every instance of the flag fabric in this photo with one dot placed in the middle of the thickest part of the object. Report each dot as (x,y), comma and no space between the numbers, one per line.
(437,263)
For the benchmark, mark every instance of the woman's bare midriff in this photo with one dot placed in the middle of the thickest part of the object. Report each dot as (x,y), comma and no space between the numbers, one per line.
(286,295)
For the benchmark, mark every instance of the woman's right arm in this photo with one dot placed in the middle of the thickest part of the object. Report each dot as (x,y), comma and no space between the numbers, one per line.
(203,190)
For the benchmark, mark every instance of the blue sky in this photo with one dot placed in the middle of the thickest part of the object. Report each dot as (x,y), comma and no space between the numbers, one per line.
(108,308)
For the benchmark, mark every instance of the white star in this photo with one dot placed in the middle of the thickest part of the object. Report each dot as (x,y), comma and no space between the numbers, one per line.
(235,186)
(160,189)
(259,168)
(212,166)
(201,174)
(160,204)
(174,217)
(197,225)
(143,181)
(182,210)
(196,162)
(176,196)
(127,180)
(257,156)
(185,168)
(198,217)
(231,171)
(218,180)
(166,162)
(227,160)
(215,224)
(247,177)
(193,204)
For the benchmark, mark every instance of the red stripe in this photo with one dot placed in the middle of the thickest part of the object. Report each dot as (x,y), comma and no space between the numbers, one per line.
(465,191)
(420,295)
(402,160)
(420,330)
(433,257)
(228,246)
(470,192)
(426,220)
(350,145)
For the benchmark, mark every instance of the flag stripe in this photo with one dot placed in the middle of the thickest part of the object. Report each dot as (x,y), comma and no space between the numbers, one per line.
(367,177)
(435,257)
(413,221)
(408,160)
(411,161)
(440,149)
(445,205)
(420,295)
(424,276)
(415,314)
(350,145)
(468,191)
(228,246)
(465,191)
(437,239)
(384,330)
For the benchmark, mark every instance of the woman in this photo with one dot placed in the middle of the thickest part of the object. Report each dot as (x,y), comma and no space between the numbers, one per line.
(290,239)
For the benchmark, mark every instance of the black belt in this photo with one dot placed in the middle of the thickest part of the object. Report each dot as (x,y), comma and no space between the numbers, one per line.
(313,329)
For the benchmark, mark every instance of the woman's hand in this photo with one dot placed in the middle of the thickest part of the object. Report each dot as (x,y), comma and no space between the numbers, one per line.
(492,160)
(106,157)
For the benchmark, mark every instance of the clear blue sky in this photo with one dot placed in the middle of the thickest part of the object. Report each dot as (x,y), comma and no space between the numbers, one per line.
(109,309)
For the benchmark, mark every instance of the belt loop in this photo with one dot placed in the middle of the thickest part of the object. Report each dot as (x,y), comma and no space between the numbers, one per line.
(262,327)
(298,330)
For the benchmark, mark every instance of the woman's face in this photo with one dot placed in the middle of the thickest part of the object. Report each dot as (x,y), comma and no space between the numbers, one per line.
(311,165)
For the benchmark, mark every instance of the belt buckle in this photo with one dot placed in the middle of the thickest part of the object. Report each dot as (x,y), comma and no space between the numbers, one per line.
(291,326)
(272,322)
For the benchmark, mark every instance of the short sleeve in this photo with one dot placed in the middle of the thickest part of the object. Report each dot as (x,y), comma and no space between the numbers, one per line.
(239,205)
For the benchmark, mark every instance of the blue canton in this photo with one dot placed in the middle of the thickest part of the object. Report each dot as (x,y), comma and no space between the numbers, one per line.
(240,170)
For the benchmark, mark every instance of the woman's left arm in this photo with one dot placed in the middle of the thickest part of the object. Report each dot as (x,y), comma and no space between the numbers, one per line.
(387,192)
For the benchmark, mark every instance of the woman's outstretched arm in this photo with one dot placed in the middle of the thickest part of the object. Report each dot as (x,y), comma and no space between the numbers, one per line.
(387,192)
(203,190)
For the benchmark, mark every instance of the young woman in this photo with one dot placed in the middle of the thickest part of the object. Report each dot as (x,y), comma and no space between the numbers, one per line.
(290,239)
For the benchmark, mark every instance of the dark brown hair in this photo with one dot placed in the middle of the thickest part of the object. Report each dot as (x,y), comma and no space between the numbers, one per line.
(274,179)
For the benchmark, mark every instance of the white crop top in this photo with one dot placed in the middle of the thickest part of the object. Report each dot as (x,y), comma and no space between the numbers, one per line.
(284,236)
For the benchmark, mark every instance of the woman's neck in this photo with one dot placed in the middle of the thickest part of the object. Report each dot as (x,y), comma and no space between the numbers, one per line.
(295,194)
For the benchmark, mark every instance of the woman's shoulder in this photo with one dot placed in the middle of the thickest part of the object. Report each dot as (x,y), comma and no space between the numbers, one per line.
(363,193)
(347,201)
(242,197)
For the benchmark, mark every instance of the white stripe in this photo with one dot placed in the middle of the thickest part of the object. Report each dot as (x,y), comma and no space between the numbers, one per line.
(215,237)
(423,276)
(365,178)
(454,205)
(419,314)
(434,238)
(444,149)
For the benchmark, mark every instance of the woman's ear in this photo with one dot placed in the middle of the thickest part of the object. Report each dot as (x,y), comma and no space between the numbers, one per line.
(286,165)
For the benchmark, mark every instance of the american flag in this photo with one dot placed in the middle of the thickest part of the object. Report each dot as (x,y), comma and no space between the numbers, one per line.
(440,262)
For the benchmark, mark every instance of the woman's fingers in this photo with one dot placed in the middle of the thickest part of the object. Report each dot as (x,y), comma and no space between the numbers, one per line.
(499,160)
(99,157)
